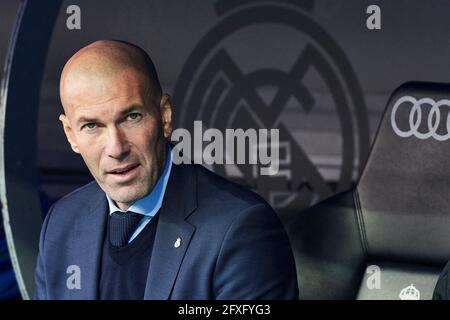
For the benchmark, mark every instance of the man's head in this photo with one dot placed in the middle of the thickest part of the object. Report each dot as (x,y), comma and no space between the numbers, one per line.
(116,117)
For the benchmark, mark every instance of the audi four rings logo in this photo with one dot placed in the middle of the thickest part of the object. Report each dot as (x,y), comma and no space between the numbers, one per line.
(415,118)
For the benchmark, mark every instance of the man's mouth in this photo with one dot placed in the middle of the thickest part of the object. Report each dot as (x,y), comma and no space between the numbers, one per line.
(123,170)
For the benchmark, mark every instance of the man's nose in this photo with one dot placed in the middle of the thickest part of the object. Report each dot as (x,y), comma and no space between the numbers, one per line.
(117,145)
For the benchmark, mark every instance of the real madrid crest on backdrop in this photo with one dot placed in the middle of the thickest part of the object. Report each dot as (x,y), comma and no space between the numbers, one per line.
(218,88)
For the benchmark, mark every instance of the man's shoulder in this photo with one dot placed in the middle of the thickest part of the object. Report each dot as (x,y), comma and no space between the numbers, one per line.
(214,188)
(82,196)
(221,202)
(65,212)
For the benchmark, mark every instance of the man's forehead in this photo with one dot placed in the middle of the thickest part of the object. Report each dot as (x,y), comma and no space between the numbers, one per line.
(83,91)
(101,78)
(91,69)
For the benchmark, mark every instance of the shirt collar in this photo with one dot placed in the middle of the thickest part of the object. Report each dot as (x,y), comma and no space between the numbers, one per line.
(150,204)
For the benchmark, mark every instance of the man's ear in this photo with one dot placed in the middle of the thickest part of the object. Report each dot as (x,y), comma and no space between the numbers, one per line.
(165,107)
(68,131)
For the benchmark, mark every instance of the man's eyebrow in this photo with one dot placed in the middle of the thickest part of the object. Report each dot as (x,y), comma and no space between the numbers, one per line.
(83,119)
(131,108)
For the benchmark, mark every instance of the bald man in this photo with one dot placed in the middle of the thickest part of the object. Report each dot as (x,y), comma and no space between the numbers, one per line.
(146,228)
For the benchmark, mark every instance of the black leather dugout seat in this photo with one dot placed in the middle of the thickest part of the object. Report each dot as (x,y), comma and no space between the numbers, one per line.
(389,237)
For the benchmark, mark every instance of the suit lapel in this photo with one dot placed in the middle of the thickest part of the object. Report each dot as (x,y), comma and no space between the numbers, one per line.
(173,233)
(88,244)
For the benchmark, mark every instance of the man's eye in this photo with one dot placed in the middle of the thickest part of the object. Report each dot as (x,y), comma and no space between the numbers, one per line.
(90,125)
(134,116)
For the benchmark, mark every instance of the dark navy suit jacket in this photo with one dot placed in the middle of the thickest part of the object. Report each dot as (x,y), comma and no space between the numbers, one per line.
(232,246)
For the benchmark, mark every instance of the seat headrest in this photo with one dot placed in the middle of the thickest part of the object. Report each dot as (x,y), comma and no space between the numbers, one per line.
(404,190)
